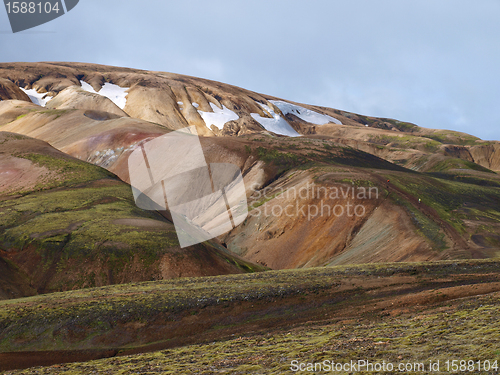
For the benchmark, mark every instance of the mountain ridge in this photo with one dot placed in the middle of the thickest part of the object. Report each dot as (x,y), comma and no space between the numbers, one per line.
(154,96)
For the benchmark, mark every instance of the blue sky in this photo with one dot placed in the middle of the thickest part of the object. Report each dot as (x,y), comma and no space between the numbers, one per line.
(433,63)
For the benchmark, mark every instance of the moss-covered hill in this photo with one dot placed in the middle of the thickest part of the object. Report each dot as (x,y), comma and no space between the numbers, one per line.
(67,224)
(450,212)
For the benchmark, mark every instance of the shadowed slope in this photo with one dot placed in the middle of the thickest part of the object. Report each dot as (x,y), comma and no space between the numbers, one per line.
(8,91)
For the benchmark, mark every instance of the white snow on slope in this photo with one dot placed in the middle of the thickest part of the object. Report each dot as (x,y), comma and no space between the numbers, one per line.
(115,93)
(276,124)
(38,99)
(304,114)
(218,117)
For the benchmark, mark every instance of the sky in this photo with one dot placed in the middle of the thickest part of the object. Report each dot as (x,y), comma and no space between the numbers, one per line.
(434,63)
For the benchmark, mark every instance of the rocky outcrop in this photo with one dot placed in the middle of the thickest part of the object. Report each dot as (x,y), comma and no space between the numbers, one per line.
(8,91)
(487,155)
(74,97)
(460,152)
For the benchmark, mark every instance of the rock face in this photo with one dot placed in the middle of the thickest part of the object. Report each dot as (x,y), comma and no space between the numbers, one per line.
(437,197)
(8,91)
(74,97)
(487,155)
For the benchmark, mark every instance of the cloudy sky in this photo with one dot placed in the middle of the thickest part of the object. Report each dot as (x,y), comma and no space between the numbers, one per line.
(431,62)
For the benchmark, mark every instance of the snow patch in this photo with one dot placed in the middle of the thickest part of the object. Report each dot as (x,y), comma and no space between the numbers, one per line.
(218,117)
(196,105)
(276,124)
(87,87)
(305,114)
(115,93)
(38,99)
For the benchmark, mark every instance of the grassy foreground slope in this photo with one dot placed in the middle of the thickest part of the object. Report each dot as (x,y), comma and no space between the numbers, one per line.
(259,323)
(410,340)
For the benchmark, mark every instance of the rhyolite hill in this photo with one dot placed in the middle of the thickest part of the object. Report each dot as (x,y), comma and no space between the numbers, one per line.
(442,200)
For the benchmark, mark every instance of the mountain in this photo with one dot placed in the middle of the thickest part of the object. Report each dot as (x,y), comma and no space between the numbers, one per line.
(436,193)
(176,101)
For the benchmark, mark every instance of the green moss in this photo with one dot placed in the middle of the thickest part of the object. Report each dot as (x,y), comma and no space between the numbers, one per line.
(358,182)
(329,146)
(80,223)
(425,226)
(282,160)
(71,171)
(263,201)
(407,141)
(406,127)
(479,180)
(11,137)
(450,199)
(21,116)
(451,137)
(452,163)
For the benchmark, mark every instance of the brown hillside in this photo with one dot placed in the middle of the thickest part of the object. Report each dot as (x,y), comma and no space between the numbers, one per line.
(67,224)
(76,98)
